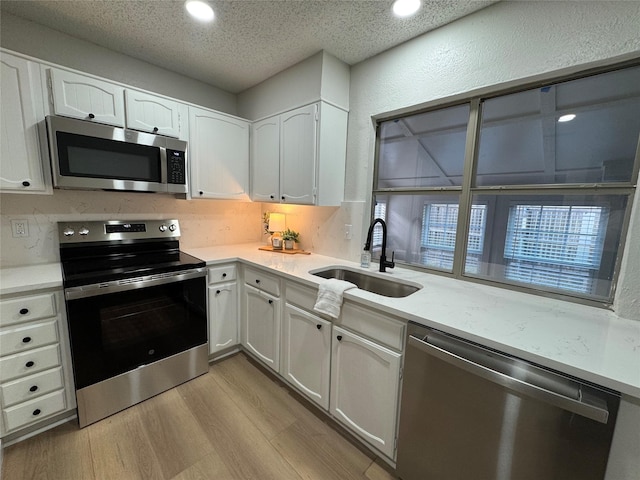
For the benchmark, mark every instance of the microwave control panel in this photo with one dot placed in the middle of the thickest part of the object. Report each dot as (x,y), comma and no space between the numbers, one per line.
(176,167)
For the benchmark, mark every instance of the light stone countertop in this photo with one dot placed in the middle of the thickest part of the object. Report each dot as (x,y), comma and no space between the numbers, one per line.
(587,342)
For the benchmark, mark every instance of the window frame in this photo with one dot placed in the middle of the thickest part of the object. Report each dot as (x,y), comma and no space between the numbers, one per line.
(468,189)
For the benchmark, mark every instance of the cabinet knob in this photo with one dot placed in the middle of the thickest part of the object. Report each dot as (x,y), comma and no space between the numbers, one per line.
(33,388)
(37,411)
(155,129)
(224,275)
(217,292)
(26,339)
(92,116)
(272,197)
(24,311)
(270,302)
(339,337)
(257,280)
(29,364)
(201,192)
(282,197)
(318,326)
(26,183)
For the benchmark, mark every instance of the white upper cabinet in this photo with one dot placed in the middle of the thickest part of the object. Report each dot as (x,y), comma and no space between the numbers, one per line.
(219,155)
(299,156)
(150,113)
(22,108)
(87,98)
(298,147)
(265,160)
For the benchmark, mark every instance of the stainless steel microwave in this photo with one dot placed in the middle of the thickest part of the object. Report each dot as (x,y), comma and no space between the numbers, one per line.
(91,156)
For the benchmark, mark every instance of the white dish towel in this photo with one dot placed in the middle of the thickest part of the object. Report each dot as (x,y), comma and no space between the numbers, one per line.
(329,299)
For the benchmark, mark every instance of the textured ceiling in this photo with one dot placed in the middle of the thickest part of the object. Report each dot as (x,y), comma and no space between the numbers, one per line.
(249,41)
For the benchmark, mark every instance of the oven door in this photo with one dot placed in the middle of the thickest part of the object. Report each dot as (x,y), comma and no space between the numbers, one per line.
(120,326)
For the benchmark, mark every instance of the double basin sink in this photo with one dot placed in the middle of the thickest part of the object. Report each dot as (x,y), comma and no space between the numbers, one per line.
(371,283)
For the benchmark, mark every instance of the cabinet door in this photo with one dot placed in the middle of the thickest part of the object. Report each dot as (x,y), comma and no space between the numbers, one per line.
(261,333)
(223,314)
(365,380)
(306,354)
(298,155)
(87,98)
(153,114)
(219,155)
(265,160)
(22,108)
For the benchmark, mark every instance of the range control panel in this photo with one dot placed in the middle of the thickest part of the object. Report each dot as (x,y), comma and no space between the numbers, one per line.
(110,230)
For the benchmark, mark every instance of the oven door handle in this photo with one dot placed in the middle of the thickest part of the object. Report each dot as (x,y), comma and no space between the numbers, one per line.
(84,291)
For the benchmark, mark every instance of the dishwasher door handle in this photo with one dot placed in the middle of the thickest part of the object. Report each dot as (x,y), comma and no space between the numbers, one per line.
(572,405)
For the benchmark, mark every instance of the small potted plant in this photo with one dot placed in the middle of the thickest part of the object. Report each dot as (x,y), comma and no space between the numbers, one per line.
(290,238)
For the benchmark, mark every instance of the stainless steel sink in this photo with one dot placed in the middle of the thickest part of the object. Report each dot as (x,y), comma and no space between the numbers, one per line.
(371,283)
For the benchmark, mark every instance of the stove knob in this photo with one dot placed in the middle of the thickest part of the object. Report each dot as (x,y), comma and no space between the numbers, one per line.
(84,231)
(68,232)
(173,227)
(163,228)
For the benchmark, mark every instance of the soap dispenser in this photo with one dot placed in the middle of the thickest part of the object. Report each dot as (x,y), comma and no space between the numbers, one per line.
(365,259)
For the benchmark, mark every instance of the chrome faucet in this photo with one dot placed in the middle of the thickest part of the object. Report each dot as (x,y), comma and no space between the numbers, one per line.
(383,254)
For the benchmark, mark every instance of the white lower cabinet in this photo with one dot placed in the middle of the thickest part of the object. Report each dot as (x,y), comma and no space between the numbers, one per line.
(223,314)
(35,366)
(306,354)
(365,381)
(261,326)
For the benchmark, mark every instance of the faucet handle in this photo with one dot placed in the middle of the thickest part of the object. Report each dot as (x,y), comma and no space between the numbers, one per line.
(392,263)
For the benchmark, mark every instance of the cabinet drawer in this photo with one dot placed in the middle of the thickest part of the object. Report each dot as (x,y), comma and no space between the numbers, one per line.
(25,309)
(377,326)
(33,410)
(222,274)
(262,281)
(31,387)
(304,297)
(30,336)
(27,363)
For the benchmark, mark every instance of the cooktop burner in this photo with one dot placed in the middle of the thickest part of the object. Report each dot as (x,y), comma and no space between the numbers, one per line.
(96,252)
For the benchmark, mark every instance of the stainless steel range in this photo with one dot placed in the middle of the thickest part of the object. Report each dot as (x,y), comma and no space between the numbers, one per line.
(136,308)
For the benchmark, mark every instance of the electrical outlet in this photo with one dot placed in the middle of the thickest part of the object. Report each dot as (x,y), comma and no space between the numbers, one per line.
(347,231)
(20,228)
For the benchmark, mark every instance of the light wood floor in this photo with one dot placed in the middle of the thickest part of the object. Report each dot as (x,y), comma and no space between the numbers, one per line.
(235,422)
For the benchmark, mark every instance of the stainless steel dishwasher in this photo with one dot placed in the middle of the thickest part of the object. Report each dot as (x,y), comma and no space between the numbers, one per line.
(471,413)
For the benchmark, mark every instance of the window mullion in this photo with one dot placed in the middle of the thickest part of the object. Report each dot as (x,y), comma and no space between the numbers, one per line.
(464,211)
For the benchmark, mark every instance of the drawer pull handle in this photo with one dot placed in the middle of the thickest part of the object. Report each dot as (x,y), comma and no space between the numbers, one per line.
(24,311)
(29,364)
(318,326)
(34,388)
(339,337)
(26,339)
(224,275)
(270,302)
(37,411)
(217,292)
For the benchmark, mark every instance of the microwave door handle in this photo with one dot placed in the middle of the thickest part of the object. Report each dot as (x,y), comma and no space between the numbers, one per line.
(163,166)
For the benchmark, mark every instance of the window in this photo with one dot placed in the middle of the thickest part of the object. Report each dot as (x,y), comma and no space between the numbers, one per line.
(540,189)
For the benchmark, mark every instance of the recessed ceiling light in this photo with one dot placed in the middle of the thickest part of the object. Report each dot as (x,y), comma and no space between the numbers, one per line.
(567,118)
(199,10)
(404,8)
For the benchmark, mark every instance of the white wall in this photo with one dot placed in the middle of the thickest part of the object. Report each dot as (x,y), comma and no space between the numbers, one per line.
(319,77)
(500,45)
(51,45)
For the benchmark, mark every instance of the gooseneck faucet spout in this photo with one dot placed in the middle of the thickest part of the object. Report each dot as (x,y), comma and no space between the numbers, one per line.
(383,254)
